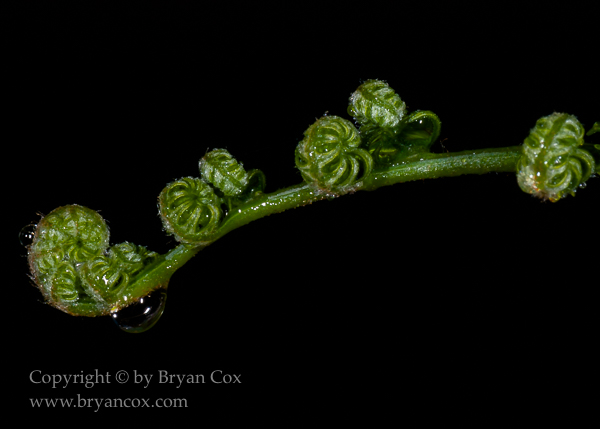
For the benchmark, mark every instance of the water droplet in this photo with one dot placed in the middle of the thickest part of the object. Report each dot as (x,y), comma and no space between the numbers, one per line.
(26,234)
(142,315)
(582,185)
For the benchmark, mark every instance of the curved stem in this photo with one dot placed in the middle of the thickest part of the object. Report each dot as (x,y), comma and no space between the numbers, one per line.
(431,166)
(267,204)
(157,274)
(427,167)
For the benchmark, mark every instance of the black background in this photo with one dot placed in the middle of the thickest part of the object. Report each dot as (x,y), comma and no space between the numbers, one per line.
(439,290)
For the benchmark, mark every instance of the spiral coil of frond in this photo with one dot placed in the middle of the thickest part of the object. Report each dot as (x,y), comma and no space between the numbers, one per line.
(190,210)
(330,156)
(108,276)
(389,133)
(376,103)
(553,165)
(64,240)
(222,170)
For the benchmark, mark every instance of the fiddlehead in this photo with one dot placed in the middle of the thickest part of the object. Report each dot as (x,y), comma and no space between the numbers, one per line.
(190,210)
(390,134)
(376,104)
(330,157)
(232,183)
(553,163)
(64,240)
(221,169)
(69,262)
(108,276)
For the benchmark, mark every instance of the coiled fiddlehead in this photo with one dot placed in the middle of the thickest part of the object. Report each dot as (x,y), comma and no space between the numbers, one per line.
(553,164)
(224,172)
(330,156)
(375,103)
(190,210)
(108,276)
(69,262)
(390,134)
(232,183)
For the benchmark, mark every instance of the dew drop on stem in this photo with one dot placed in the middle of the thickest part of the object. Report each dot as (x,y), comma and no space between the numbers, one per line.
(142,315)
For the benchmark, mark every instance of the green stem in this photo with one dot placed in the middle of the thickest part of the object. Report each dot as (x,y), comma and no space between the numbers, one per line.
(427,167)
(432,166)
(158,274)
(267,204)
